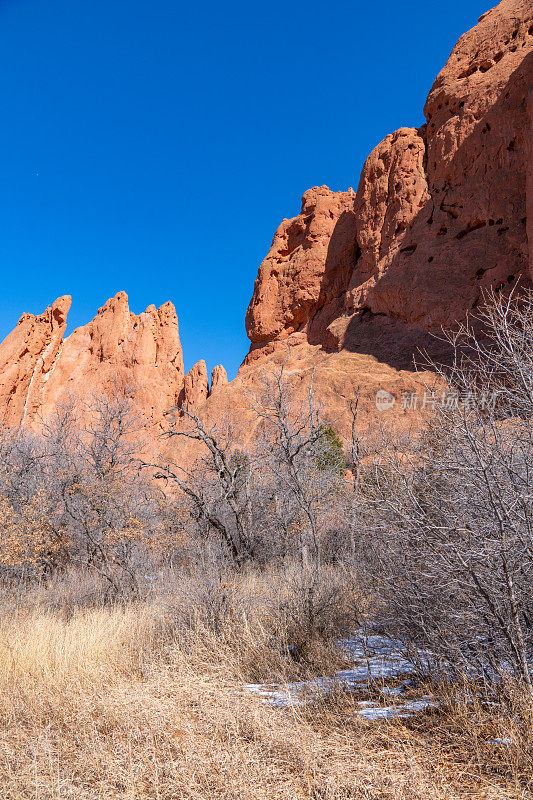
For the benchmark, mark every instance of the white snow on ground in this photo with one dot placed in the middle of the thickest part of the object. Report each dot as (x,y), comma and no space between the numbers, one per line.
(370,710)
(377,660)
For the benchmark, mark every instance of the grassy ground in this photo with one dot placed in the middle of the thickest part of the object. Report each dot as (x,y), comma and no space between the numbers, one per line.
(128,702)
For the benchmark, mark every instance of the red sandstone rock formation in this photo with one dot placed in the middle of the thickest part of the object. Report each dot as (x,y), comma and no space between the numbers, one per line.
(309,264)
(355,282)
(195,388)
(219,377)
(439,214)
(39,368)
(27,358)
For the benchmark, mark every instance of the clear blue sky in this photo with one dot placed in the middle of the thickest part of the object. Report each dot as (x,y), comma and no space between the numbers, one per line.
(155,146)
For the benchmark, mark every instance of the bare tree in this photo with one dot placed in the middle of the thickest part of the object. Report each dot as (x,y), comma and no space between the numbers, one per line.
(107,509)
(217,484)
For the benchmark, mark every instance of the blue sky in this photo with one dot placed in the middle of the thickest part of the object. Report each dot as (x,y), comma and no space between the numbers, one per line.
(155,146)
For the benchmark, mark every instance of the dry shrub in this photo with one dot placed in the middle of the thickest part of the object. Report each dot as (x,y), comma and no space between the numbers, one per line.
(257,620)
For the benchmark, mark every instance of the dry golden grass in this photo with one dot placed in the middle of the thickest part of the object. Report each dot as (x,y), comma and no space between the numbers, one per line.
(118,702)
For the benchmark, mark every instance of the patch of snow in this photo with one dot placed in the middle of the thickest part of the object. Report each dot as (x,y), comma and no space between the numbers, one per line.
(377,660)
(370,710)
(52,368)
(25,411)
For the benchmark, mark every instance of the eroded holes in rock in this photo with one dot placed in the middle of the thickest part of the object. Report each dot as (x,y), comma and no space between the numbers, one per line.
(530,30)
(510,278)
(471,70)
(439,106)
(449,208)
(513,48)
(472,226)
(480,272)
(461,104)
(486,66)
(491,222)
(515,33)
(409,248)
(442,230)
(430,259)
(486,129)
(498,57)
(411,146)
(512,146)
(399,228)
(523,220)
(499,221)
(502,230)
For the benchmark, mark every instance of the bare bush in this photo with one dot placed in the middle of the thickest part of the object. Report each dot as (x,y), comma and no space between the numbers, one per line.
(451,514)
(73,496)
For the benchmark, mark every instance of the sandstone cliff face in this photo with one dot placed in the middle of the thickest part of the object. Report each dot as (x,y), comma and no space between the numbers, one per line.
(27,358)
(309,264)
(439,214)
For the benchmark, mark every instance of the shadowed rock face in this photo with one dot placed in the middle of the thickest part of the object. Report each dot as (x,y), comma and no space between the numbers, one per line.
(357,281)
(439,213)
(308,264)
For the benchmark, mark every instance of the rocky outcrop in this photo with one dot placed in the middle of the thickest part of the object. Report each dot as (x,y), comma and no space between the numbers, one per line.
(308,264)
(439,215)
(28,356)
(195,387)
(470,233)
(219,377)
(39,368)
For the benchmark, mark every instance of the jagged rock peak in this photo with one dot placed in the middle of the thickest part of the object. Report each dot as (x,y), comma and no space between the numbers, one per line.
(219,377)
(195,387)
(40,367)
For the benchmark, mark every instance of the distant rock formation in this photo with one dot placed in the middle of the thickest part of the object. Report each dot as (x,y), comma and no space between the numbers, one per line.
(40,368)
(28,356)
